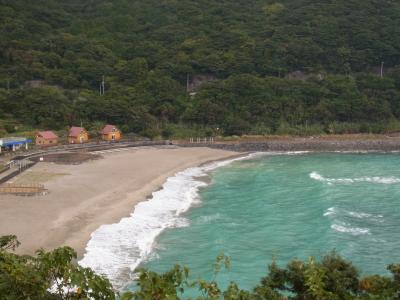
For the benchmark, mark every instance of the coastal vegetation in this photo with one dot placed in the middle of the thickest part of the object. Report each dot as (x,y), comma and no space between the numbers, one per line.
(55,275)
(272,67)
(48,275)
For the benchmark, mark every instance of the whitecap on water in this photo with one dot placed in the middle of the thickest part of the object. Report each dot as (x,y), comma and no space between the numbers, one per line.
(208,219)
(361,215)
(181,223)
(345,228)
(375,179)
(337,212)
(358,215)
(330,211)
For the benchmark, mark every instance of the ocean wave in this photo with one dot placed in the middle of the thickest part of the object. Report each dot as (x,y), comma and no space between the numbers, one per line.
(351,230)
(345,228)
(361,215)
(296,152)
(116,250)
(181,223)
(330,211)
(376,179)
(274,153)
(358,151)
(334,211)
(208,219)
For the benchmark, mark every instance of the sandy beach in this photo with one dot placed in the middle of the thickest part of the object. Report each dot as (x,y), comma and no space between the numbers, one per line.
(83,197)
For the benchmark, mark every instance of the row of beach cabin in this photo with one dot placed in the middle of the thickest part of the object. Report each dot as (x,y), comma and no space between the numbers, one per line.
(77,135)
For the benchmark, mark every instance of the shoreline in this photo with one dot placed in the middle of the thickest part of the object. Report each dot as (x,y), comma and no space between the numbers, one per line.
(84,197)
(351,143)
(116,250)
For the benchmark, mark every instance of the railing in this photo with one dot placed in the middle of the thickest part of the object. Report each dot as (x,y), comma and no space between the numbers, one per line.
(201,140)
(20,165)
(90,147)
(5,168)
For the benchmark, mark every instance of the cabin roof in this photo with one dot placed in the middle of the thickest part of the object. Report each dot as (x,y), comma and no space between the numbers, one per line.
(48,135)
(76,131)
(108,129)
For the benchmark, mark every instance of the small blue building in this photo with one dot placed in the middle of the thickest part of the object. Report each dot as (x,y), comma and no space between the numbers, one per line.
(14,143)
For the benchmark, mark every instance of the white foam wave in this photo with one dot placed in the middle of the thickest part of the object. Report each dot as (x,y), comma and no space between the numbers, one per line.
(116,250)
(361,215)
(333,211)
(209,218)
(274,153)
(330,211)
(358,151)
(296,152)
(182,222)
(376,179)
(352,230)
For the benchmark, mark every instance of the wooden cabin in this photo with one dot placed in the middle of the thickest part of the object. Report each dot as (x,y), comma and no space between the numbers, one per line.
(46,139)
(78,135)
(111,133)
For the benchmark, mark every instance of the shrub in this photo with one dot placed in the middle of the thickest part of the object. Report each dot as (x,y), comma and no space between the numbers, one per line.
(54,275)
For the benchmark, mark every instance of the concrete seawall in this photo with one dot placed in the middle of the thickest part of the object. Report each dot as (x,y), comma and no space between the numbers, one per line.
(305,144)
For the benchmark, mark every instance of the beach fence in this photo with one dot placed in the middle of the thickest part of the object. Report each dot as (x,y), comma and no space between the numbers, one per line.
(201,140)
(22,189)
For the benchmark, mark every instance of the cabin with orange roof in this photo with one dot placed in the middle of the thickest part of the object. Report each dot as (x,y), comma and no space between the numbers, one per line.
(111,133)
(46,139)
(78,135)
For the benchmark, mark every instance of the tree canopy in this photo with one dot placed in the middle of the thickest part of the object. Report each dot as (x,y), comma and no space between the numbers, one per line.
(54,275)
(146,50)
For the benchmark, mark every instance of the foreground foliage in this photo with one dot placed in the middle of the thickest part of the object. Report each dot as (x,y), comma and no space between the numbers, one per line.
(48,275)
(54,275)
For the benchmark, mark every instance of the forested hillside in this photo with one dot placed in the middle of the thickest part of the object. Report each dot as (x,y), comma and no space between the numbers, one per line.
(280,67)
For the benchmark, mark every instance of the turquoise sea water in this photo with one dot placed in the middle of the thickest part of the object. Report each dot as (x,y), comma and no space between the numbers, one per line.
(287,206)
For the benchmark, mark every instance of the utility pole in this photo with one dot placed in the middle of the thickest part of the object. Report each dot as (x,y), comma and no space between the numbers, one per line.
(102,86)
(382,69)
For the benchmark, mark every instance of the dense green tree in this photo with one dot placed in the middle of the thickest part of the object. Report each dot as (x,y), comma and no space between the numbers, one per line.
(54,275)
(48,275)
(280,65)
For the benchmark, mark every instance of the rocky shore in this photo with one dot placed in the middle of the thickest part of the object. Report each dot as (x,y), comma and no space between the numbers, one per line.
(345,143)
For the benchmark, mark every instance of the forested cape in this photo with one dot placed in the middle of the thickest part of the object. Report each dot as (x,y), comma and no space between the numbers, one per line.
(276,66)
